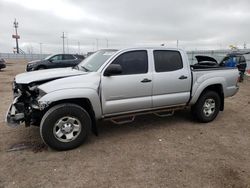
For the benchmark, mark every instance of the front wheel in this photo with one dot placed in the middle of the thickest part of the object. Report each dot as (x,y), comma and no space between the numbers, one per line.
(207,107)
(65,126)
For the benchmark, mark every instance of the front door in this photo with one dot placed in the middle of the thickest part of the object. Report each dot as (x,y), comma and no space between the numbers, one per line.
(56,61)
(132,89)
(68,60)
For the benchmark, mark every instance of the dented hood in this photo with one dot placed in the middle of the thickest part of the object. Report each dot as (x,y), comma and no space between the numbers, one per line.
(91,81)
(44,75)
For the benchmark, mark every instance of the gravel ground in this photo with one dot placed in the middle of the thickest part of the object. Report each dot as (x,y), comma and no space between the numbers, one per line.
(150,152)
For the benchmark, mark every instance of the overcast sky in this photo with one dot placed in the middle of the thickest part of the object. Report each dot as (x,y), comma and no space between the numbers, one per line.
(197,24)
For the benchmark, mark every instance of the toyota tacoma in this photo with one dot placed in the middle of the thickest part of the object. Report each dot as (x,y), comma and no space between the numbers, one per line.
(117,85)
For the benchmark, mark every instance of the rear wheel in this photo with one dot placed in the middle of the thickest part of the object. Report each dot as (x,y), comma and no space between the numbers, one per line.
(65,126)
(207,107)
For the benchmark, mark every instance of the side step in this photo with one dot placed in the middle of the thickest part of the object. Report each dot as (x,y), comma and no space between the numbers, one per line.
(130,117)
(122,120)
(164,113)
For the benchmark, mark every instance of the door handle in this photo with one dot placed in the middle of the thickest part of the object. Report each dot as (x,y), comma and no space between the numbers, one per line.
(145,80)
(183,77)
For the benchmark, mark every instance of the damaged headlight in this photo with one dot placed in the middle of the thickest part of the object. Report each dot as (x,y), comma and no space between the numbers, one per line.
(30,64)
(35,104)
(41,93)
(40,105)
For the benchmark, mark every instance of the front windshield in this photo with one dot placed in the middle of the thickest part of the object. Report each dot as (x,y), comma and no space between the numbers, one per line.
(96,60)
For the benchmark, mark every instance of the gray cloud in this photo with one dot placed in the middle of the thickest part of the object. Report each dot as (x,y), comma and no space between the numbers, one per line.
(196,24)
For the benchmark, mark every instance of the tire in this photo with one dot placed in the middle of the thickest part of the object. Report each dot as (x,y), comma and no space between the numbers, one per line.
(207,107)
(65,126)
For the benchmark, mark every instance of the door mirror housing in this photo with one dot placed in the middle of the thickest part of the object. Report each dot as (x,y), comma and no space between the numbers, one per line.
(113,69)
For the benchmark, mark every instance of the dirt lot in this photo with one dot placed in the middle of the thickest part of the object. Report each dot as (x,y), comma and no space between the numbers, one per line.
(151,152)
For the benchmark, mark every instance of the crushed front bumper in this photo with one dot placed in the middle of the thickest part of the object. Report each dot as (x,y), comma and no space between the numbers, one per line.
(13,117)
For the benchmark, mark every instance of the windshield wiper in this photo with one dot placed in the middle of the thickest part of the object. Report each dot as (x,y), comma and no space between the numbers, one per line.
(87,70)
(75,67)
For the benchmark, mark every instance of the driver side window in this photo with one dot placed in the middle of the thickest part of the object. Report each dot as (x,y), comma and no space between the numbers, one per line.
(57,58)
(134,62)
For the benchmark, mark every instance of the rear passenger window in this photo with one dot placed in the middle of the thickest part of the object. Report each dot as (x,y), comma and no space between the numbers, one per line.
(68,57)
(166,61)
(134,62)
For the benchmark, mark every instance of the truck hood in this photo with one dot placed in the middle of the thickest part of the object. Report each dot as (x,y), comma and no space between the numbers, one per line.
(46,75)
(35,61)
(90,80)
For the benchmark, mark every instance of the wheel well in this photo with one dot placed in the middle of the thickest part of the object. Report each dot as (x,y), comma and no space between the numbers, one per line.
(218,89)
(84,103)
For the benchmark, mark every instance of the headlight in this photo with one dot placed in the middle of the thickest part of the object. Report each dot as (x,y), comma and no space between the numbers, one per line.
(41,93)
(30,64)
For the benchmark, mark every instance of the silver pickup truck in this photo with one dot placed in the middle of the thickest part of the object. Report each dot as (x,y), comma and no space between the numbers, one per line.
(117,85)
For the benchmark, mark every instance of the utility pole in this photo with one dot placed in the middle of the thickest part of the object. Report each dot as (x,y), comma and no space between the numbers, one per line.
(67,43)
(63,37)
(16,36)
(245,45)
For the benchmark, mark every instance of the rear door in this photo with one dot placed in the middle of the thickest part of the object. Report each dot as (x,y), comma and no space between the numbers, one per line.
(69,60)
(132,89)
(172,78)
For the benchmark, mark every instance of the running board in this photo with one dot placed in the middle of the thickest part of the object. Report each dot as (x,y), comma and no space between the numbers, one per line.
(122,120)
(130,117)
(164,114)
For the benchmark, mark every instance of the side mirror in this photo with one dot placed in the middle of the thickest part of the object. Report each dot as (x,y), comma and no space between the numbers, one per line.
(113,69)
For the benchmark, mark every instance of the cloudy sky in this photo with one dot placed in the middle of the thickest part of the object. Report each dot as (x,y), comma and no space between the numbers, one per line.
(197,24)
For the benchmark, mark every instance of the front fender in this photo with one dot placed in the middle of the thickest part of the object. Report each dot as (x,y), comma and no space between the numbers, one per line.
(75,93)
(199,87)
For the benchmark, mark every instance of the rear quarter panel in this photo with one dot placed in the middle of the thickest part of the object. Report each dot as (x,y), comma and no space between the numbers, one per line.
(226,77)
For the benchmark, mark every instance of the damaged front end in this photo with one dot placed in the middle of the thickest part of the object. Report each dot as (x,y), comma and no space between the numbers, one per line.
(25,106)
